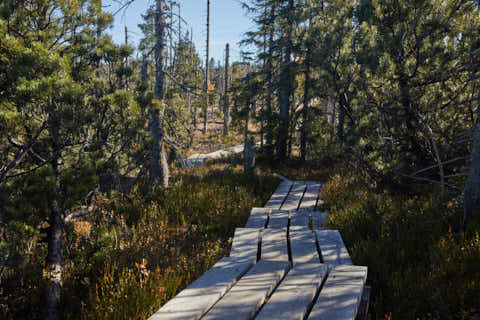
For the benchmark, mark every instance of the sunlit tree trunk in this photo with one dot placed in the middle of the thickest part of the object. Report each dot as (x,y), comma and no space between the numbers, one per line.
(159,171)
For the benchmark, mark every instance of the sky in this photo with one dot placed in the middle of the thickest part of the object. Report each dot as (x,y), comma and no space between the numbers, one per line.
(227,24)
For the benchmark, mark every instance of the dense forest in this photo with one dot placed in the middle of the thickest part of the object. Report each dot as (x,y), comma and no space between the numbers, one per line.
(100,218)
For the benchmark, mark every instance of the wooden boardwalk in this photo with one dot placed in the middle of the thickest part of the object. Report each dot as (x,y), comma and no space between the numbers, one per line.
(282,265)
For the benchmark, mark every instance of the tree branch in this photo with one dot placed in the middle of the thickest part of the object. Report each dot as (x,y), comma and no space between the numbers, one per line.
(83,210)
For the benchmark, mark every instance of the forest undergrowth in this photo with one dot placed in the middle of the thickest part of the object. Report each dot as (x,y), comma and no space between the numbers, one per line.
(132,253)
(420,264)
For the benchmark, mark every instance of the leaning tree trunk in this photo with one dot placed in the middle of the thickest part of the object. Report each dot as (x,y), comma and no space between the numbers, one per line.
(159,170)
(472,186)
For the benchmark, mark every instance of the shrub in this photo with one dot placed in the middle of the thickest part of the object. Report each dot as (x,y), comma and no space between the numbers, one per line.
(420,266)
(133,253)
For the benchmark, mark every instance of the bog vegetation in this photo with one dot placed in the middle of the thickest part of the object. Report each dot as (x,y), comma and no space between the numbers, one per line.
(101,219)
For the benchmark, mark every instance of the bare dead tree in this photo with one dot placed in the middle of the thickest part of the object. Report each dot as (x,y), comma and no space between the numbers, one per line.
(159,170)
(226,107)
(207,71)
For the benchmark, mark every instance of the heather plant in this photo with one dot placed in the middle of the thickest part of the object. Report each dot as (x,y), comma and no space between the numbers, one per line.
(421,266)
(135,252)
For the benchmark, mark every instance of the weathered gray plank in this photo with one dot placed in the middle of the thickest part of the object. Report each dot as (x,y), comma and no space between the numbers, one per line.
(250,292)
(245,243)
(302,245)
(309,200)
(320,204)
(258,218)
(274,244)
(295,294)
(362,313)
(279,195)
(341,294)
(300,218)
(202,294)
(294,197)
(341,274)
(332,248)
(278,219)
(318,219)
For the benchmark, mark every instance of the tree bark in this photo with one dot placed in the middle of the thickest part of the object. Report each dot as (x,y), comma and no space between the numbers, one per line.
(341,123)
(226,107)
(285,87)
(207,71)
(333,117)
(195,111)
(269,77)
(306,100)
(472,185)
(55,243)
(159,170)
(126,60)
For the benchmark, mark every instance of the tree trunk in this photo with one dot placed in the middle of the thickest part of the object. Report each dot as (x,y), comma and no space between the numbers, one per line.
(207,71)
(170,35)
(159,170)
(126,59)
(226,107)
(269,77)
(55,242)
(285,87)
(333,117)
(472,186)
(195,111)
(341,124)
(306,100)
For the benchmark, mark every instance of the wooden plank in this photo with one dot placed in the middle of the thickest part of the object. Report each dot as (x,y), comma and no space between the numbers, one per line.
(300,218)
(302,245)
(310,197)
(362,313)
(278,219)
(247,296)
(320,204)
(318,219)
(296,292)
(332,248)
(294,197)
(258,218)
(274,244)
(337,303)
(348,274)
(245,243)
(279,195)
(202,294)
(340,296)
